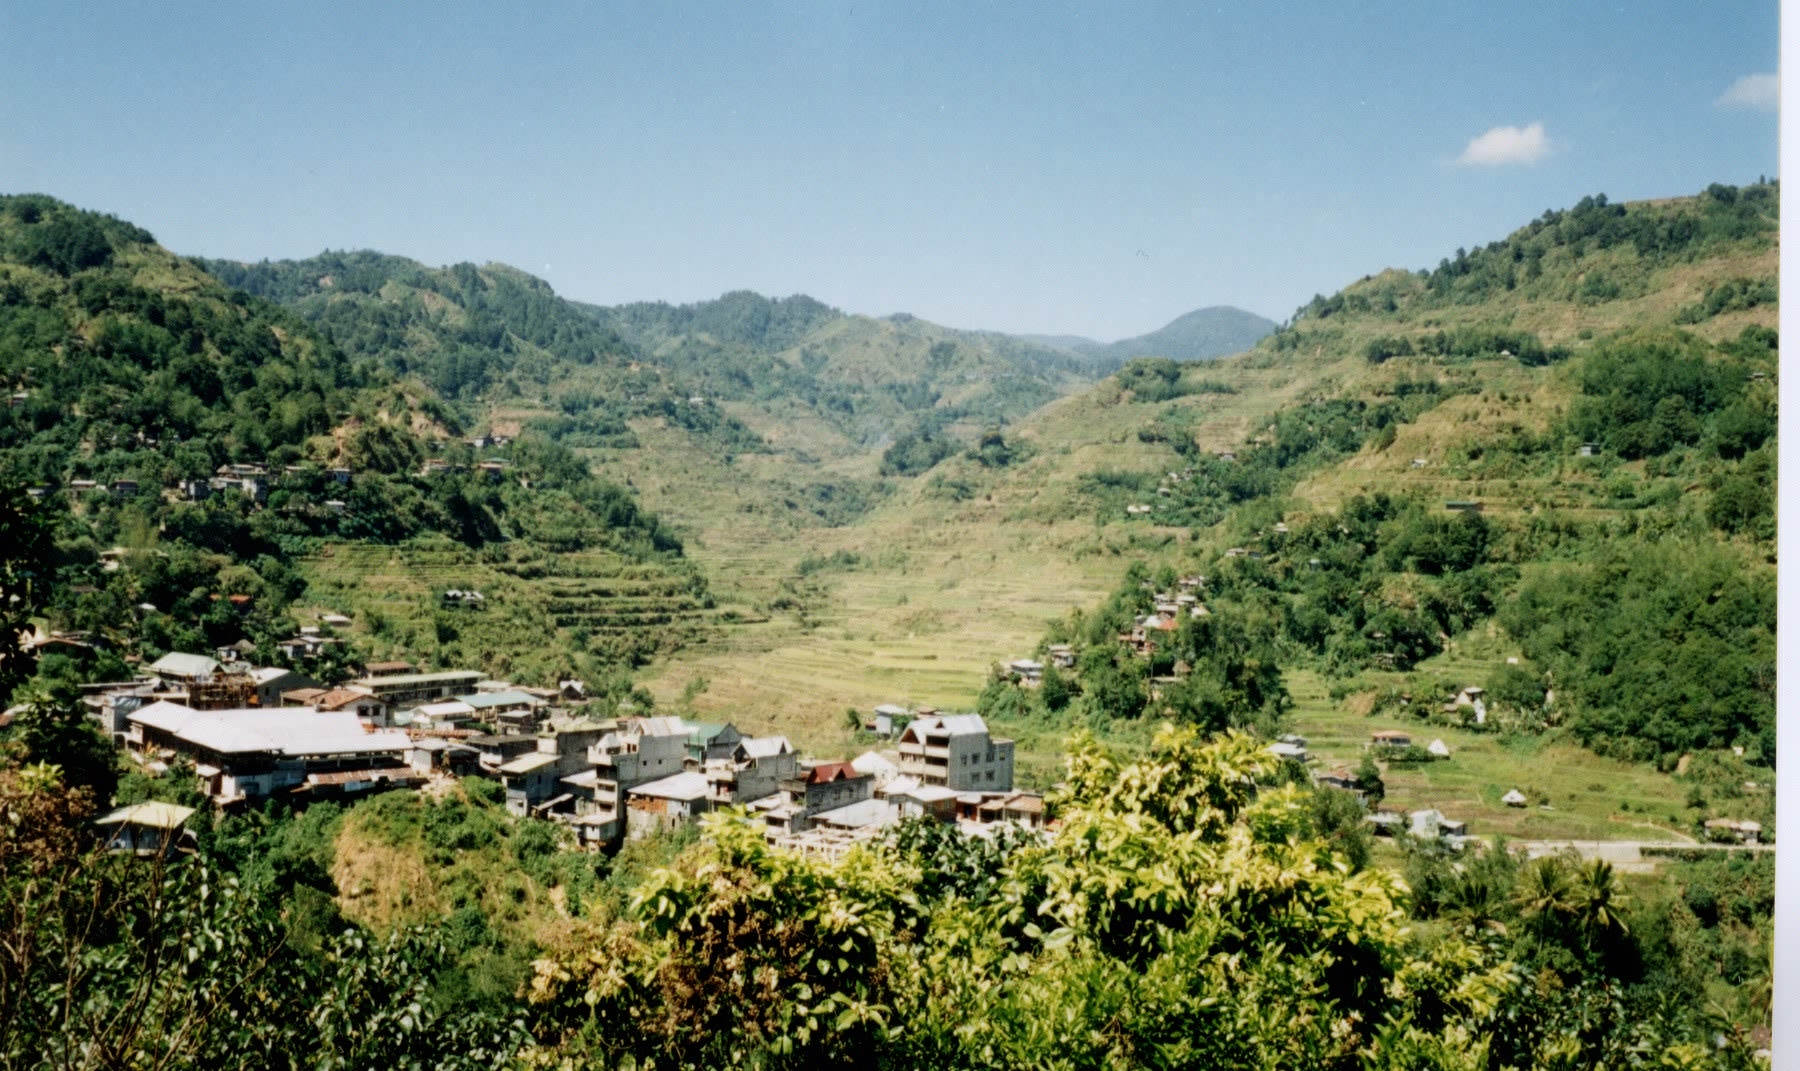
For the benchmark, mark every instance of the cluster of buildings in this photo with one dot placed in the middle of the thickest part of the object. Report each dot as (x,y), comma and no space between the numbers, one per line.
(254,479)
(254,734)
(1425,824)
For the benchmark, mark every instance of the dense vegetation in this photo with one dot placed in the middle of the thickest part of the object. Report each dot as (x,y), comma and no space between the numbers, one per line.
(871,379)
(1198,905)
(1192,910)
(1647,636)
(1592,253)
(136,371)
(490,333)
(1634,573)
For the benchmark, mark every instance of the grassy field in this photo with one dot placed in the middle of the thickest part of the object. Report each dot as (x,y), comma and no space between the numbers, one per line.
(1590,797)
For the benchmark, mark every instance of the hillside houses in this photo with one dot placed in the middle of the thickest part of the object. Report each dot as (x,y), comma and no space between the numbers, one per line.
(606,779)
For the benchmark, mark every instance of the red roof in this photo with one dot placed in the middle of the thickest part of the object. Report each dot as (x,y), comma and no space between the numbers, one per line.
(338,698)
(833,771)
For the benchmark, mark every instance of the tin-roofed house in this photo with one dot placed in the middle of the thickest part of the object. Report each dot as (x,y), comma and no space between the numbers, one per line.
(271,681)
(824,787)
(709,740)
(251,754)
(148,829)
(184,670)
(754,769)
(667,803)
(511,710)
(632,752)
(400,689)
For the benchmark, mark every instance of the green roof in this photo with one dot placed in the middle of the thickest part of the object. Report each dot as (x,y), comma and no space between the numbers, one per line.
(699,732)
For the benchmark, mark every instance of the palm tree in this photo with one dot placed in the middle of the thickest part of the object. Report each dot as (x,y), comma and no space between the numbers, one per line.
(1595,901)
(1545,895)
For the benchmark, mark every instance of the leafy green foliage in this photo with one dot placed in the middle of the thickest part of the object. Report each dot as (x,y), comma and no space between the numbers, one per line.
(1299,440)
(1180,916)
(1646,393)
(994,452)
(26,579)
(1732,295)
(1655,647)
(916,452)
(112,961)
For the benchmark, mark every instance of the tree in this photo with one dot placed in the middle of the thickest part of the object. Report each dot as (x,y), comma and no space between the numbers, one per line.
(27,569)
(54,729)
(1368,779)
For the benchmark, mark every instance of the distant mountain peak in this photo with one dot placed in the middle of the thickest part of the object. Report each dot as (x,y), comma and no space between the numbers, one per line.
(1202,335)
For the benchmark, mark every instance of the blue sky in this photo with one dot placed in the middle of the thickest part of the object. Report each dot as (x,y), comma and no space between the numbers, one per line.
(1093,169)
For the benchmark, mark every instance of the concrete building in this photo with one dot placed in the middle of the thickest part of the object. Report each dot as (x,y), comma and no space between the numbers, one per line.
(708,740)
(754,769)
(271,681)
(957,752)
(400,689)
(534,780)
(667,803)
(634,751)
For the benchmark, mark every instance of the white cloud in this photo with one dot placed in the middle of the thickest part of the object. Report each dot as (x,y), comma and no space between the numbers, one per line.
(1507,145)
(1759,91)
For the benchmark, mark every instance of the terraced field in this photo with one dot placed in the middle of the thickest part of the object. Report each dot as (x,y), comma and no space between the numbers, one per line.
(541,616)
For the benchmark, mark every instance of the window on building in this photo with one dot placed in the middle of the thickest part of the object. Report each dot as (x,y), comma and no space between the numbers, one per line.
(990,776)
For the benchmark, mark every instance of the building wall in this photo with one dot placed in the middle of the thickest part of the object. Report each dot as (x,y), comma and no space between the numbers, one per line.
(978,763)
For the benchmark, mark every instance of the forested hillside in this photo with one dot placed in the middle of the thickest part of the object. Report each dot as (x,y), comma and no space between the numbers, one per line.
(871,379)
(199,445)
(1554,455)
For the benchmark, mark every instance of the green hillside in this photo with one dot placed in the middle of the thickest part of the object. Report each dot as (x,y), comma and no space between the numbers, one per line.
(1607,573)
(137,379)
(870,379)
(1545,469)
(959,569)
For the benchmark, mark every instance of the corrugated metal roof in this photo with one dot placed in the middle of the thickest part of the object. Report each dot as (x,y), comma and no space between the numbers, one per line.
(862,814)
(280,730)
(524,764)
(662,727)
(184,665)
(484,700)
(153,813)
(448,709)
(348,777)
(766,747)
(948,724)
(686,785)
(404,679)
